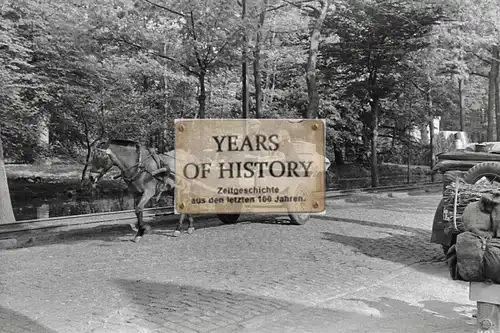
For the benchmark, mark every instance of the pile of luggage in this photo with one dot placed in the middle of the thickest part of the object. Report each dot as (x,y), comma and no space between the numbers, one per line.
(476,254)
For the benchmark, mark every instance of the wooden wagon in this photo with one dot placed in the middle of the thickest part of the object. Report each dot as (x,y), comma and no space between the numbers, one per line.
(304,150)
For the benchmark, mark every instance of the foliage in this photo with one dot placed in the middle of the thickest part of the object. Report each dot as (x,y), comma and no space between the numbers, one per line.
(127,68)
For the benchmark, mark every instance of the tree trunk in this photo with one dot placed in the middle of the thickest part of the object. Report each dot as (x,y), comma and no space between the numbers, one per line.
(394,135)
(462,103)
(6,212)
(424,134)
(202,97)
(269,72)
(491,97)
(497,88)
(339,157)
(245,97)
(431,146)
(87,162)
(408,148)
(431,131)
(375,108)
(273,85)
(312,89)
(256,62)
(44,141)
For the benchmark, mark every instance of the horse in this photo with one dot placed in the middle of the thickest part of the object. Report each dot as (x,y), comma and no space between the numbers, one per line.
(145,172)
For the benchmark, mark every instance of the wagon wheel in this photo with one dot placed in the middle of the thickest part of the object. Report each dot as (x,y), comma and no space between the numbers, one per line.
(485,171)
(299,218)
(227,218)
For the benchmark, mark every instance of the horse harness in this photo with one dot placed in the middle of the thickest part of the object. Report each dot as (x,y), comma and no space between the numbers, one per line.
(162,168)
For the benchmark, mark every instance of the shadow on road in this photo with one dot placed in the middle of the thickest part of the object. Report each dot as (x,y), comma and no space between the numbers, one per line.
(369,223)
(125,232)
(411,247)
(179,308)
(11,321)
(402,205)
(108,233)
(424,309)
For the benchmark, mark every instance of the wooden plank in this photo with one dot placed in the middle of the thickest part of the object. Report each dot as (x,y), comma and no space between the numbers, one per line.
(484,292)
(54,222)
(118,219)
(92,215)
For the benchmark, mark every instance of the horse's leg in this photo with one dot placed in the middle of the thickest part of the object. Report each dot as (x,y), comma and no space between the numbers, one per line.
(178,230)
(137,198)
(139,210)
(190,227)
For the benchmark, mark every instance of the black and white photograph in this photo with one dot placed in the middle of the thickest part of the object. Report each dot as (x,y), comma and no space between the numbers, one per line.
(249,166)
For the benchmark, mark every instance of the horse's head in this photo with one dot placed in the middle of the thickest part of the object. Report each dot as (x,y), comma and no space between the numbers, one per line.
(99,165)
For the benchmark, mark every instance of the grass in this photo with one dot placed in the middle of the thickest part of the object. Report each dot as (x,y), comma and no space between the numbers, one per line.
(45,172)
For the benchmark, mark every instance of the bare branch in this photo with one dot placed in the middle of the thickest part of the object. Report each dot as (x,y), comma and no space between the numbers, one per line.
(457,73)
(193,32)
(165,8)
(418,87)
(297,4)
(164,56)
(276,8)
(479,74)
(313,9)
(488,61)
(288,31)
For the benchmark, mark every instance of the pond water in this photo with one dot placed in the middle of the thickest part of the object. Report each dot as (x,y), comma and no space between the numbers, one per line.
(29,209)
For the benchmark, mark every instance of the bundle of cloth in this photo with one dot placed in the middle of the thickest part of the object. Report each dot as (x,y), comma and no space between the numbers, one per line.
(476,254)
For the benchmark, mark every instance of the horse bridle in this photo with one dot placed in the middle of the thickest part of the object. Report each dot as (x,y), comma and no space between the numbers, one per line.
(100,173)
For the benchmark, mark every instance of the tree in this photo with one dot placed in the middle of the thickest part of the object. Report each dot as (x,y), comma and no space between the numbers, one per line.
(14,70)
(20,87)
(199,36)
(476,26)
(256,60)
(6,212)
(373,39)
(319,15)
(312,89)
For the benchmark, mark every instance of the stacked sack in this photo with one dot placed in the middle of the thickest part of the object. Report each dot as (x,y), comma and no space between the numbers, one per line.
(476,254)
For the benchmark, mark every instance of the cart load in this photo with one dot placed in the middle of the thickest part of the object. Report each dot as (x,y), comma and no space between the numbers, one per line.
(459,194)
(474,211)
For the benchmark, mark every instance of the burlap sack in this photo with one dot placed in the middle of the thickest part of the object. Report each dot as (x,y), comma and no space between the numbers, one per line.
(492,260)
(495,221)
(476,220)
(470,250)
(451,261)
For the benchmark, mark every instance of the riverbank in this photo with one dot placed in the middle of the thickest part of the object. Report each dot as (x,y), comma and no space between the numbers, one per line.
(47,181)
(63,179)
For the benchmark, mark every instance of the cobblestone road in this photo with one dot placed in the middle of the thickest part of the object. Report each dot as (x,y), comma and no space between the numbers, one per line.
(344,268)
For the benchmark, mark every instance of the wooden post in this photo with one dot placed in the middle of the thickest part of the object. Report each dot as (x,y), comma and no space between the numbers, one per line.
(245,97)
(487,296)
